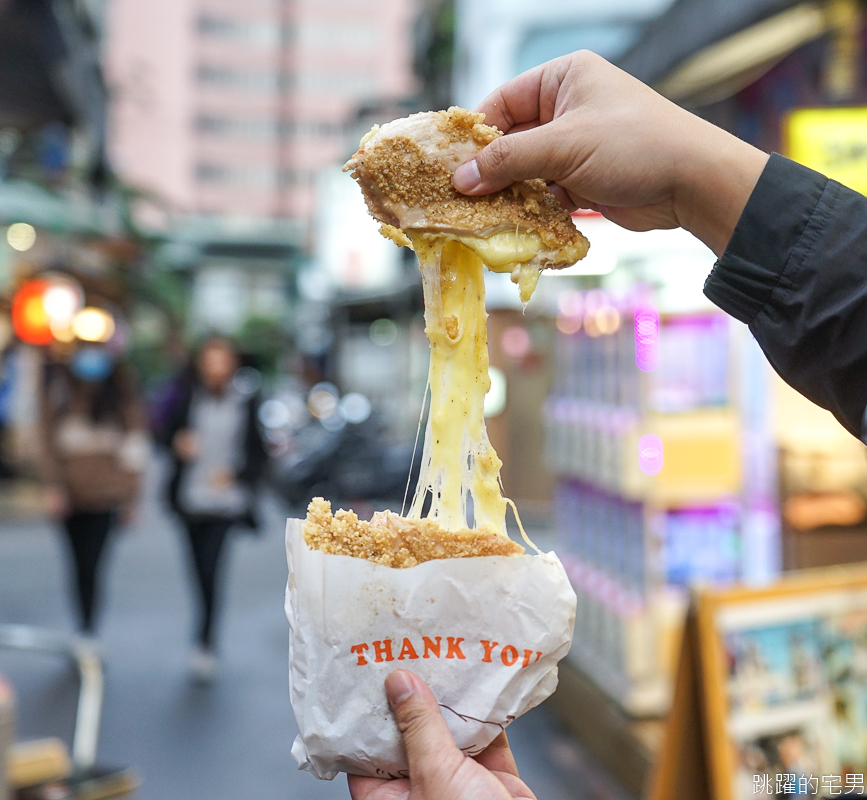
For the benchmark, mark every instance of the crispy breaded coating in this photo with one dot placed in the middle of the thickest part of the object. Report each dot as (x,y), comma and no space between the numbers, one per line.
(393,541)
(405,168)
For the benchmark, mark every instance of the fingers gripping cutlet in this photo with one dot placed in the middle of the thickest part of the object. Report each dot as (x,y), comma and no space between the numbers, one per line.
(405,171)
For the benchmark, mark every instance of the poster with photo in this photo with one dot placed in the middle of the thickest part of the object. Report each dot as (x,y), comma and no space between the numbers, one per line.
(762,760)
(844,652)
(774,665)
(771,692)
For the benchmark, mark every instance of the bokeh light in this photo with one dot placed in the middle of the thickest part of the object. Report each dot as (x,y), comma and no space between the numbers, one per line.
(384,332)
(355,408)
(274,414)
(21,236)
(93,324)
(594,300)
(62,300)
(650,454)
(607,320)
(516,341)
(591,328)
(568,324)
(62,332)
(322,400)
(247,380)
(646,338)
(30,321)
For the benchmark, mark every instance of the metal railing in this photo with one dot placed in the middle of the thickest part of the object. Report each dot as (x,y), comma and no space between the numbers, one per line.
(89,712)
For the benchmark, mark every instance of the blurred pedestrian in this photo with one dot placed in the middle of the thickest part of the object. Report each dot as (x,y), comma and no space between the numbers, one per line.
(219,457)
(94,451)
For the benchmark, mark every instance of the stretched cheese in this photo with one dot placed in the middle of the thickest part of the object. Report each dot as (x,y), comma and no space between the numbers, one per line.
(458,459)
(404,170)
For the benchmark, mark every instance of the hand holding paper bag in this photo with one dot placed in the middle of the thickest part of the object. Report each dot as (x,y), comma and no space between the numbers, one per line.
(484,633)
(438,770)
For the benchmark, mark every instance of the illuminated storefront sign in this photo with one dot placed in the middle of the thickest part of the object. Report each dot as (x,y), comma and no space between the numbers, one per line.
(832,141)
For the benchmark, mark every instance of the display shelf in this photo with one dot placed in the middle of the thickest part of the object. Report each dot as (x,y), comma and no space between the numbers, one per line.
(633,542)
(598,444)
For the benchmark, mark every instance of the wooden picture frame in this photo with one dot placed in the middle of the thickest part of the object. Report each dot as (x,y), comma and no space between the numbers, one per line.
(712,718)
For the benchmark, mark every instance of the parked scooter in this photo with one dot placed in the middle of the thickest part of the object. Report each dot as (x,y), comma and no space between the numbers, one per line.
(339,450)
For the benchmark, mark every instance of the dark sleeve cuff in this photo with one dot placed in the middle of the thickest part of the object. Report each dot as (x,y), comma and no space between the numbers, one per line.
(767,233)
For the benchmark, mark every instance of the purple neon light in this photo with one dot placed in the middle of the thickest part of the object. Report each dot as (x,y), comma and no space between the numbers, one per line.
(646,338)
(650,454)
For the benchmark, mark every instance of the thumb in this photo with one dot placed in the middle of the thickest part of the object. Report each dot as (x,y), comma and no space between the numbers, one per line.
(507,159)
(428,741)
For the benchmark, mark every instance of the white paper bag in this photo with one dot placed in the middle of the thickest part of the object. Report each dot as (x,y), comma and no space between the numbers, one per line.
(485,633)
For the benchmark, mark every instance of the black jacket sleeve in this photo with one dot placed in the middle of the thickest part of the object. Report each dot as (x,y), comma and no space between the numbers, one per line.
(795,271)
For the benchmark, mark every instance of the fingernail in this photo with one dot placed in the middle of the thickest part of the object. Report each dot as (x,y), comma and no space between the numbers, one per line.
(467,177)
(398,686)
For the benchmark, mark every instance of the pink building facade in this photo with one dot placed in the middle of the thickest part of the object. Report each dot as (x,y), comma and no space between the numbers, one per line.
(229,108)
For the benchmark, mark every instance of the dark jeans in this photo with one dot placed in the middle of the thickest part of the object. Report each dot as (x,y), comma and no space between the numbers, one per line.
(207,537)
(87,532)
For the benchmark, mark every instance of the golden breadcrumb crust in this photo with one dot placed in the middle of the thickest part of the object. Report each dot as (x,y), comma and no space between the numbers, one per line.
(393,541)
(403,174)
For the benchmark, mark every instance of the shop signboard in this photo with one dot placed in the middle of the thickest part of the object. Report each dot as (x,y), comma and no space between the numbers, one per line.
(832,141)
(771,692)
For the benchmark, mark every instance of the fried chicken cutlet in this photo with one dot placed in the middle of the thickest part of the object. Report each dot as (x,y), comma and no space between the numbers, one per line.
(393,541)
(405,168)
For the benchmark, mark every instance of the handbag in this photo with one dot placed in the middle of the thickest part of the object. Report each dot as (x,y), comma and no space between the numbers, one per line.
(100,465)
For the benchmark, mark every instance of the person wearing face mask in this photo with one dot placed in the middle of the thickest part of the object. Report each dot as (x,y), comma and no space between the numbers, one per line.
(94,450)
(218,456)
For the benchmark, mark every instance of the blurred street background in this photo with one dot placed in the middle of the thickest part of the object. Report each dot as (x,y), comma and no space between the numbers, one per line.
(201,329)
(229,739)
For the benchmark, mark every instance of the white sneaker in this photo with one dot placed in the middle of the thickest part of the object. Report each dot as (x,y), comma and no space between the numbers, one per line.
(203,664)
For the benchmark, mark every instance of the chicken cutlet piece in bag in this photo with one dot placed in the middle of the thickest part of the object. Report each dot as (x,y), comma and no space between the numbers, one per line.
(442,591)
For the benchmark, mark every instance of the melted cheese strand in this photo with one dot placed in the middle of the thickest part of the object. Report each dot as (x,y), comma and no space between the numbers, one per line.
(414,448)
(458,458)
(500,252)
(526,538)
(505,252)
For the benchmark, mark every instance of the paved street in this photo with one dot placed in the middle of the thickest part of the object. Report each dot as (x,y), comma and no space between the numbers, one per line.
(227,741)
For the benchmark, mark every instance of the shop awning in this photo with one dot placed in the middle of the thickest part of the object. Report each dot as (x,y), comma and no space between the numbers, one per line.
(50,70)
(705,50)
(21,201)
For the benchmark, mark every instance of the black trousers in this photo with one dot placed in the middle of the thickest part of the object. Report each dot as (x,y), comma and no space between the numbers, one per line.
(207,537)
(87,532)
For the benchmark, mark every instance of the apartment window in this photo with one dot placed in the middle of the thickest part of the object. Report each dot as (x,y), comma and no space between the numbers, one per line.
(244,176)
(238,127)
(219,26)
(265,127)
(256,32)
(296,177)
(353,84)
(332,36)
(237,79)
(314,130)
(212,173)
(213,125)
